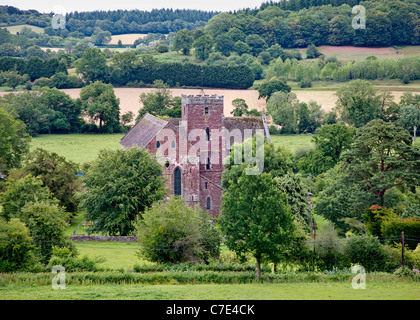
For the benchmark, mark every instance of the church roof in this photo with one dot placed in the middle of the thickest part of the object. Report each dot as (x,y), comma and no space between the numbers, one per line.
(143,131)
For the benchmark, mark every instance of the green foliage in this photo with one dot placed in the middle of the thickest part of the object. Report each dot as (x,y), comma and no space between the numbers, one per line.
(358,102)
(160,102)
(57,174)
(172,232)
(266,89)
(119,186)
(70,260)
(93,65)
(382,157)
(46,223)
(410,227)
(366,251)
(183,41)
(22,190)
(100,104)
(203,46)
(16,249)
(255,217)
(14,142)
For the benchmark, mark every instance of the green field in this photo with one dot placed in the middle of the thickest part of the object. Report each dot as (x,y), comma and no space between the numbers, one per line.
(78,148)
(375,290)
(18,28)
(82,148)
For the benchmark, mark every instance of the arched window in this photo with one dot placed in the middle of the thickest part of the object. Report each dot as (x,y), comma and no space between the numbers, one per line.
(173,144)
(206,111)
(177,182)
(208,164)
(157,144)
(208,205)
(207,134)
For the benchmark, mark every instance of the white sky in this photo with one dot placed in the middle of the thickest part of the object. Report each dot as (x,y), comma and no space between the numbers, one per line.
(45,6)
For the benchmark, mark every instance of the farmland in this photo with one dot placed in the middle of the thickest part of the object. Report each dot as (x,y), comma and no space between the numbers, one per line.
(126,38)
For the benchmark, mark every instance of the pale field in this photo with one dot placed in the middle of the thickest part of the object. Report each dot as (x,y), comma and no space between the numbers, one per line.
(130,97)
(18,28)
(127,38)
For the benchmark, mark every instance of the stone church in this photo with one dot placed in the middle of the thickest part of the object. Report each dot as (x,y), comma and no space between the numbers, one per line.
(192,148)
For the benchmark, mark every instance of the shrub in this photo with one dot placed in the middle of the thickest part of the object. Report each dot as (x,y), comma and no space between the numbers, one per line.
(410,227)
(366,251)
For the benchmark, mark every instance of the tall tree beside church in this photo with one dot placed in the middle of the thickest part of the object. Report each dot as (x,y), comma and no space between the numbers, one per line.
(101,105)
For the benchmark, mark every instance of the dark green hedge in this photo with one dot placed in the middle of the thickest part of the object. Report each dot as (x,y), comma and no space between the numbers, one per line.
(187,74)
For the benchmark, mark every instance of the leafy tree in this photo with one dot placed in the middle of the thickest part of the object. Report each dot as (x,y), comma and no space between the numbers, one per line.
(239,107)
(183,41)
(101,37)
(266,89)
(119,186)
(256,43)
(224,44)
(333,139)
(382,157)
(58,174)
(358,102)
(255,217)
(16,253)
(160,103)
(46,223)
(283,108)
(312,52)
(14,142)
(171,231)
(203,46)
(21,190)
(410,118)
(93,65)
(100,104)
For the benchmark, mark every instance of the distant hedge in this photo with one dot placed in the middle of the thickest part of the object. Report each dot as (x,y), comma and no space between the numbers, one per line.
(187,74)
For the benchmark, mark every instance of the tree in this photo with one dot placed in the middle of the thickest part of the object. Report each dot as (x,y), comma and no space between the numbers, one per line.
(99,103)
(183,41)
(410,118)
(382,157)
(58,174)
(266,89)
(16,253)
(283,108)
(358,102)
(203,46)
(46,223)
(93,65)
(255,218)
(224,44)
(312,52)
(119,186)
(171,231)
(160,103)
(14,142)
(333,139)
(239,107)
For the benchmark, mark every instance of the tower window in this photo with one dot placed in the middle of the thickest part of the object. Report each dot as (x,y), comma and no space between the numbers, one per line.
(208,164)
(206,185)
(208,205)
(173,144)
(157,144)
(206,111)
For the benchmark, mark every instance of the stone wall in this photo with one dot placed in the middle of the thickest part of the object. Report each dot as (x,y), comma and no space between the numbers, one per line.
(83,237)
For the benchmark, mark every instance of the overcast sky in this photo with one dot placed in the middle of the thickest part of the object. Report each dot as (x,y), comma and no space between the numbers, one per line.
(147,5)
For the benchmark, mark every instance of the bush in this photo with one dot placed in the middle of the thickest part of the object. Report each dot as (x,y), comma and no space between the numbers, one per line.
(410,227)
(366,251)
(172,232)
